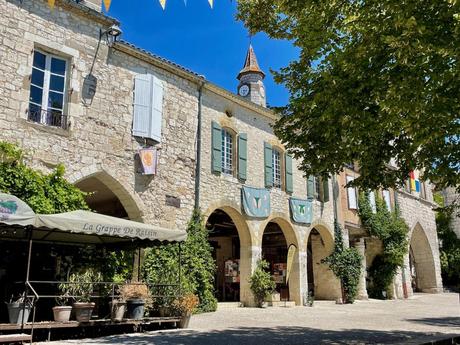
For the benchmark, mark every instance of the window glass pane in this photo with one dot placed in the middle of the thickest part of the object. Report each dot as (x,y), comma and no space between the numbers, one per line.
(276,163)
(55,100)
(54,118)
(57,66)
(318,188)
(57,83)
(227,152)
(36,94)
(37,77)
(351,193)
(34,112)
(39,60)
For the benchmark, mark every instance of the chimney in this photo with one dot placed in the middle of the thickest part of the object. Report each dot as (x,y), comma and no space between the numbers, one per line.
(93,4)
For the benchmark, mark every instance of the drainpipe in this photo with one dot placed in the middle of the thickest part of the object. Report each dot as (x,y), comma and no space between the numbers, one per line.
(198,146)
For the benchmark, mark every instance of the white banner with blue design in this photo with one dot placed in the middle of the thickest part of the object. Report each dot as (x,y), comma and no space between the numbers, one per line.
(301,210)
(256,202)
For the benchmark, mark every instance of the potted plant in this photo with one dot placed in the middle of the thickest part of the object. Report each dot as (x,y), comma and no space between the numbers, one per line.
(63,310)
(184,307)
(137,296)
(81,288)
(310,298)
(261,283)
(19,309)
(118,305)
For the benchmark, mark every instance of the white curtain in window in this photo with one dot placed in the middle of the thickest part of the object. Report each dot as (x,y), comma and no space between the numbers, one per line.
(386,197)
(351,192)
(372,202)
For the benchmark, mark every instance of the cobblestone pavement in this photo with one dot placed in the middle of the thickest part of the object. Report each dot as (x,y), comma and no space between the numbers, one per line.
(415,321)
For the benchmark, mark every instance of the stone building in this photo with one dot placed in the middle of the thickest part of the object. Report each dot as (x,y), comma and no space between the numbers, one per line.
(451,197)
(72,92)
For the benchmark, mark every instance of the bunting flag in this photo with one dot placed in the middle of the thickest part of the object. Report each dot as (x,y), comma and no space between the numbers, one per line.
(211,3)
(107,4)
(51,3)
(163,4)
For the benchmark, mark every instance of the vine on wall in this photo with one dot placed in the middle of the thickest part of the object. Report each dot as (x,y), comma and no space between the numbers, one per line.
(345,263)
(392,230)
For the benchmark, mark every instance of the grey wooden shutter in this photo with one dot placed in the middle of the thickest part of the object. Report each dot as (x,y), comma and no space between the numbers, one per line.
(289,179)
(325,189)
(142,105)
(156,120)
(311,187)
(242,156)
(216,154)
(268,163)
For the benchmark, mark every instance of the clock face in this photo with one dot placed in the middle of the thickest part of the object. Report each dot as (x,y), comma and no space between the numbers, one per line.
(244,90)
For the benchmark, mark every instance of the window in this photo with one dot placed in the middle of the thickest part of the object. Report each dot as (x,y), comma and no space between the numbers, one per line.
(227,152)
(318,188)
(276,163)
(351,193)
(387,199)
(48,90)
(372,202)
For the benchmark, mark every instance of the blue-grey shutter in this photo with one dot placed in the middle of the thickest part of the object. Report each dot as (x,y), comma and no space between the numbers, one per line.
(216,154)
(311,187)
(156,120)
(268,165)
(142,105)
(325,189)
(242,156)
(288,164)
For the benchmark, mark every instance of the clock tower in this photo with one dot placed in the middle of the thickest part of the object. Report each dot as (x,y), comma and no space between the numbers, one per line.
(251,78)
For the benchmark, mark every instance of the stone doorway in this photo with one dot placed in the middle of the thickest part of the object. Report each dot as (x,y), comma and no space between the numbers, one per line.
(421,262)
(224,238)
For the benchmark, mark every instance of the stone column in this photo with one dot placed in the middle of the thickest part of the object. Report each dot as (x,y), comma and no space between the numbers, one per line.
(360,245)
(248,262)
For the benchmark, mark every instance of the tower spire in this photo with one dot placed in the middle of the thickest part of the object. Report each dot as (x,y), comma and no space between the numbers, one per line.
(250,64)
(251,78)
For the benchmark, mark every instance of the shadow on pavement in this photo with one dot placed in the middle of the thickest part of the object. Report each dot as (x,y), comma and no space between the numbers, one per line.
(439,321)
(274,336)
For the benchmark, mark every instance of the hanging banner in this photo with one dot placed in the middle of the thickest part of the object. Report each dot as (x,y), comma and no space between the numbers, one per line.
(148,158)
(163,4)
(301,210)
(107,4)
(51,3)
(256,202)
(290,260)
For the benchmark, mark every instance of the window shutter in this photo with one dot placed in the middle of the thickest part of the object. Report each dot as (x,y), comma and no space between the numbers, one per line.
(268,165)
(311,187)
(216,154)
(156,120)
(242,156)
(288,165)
(142,105)
(325,190)
(351,192)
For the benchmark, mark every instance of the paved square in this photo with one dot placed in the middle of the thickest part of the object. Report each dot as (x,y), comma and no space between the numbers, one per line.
(422,318)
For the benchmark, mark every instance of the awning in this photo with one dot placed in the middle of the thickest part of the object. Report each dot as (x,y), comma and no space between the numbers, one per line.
(80,226)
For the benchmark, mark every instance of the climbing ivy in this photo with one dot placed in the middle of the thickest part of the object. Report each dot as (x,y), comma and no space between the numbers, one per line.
(345,263)
(392,230)
(161,265)
(44,193)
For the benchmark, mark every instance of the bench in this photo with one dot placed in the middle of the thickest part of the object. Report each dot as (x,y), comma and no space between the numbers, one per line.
(15,338)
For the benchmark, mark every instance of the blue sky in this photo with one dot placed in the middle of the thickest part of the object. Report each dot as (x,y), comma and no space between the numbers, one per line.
(208,41)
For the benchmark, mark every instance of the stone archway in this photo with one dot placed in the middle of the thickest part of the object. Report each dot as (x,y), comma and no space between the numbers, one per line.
(290,238)
(421,262)
(100,182)
(325,285)
(242,239)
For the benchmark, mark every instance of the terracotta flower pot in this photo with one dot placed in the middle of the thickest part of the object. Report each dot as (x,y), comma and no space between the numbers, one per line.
(83,311)
(62,313)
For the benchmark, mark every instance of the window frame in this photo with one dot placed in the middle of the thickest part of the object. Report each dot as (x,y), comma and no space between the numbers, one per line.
(349,178)
(46,88)
(228,133)
(280,153)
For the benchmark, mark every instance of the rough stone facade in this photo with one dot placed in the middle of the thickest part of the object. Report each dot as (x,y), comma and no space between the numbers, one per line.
(451,197)
(100,144)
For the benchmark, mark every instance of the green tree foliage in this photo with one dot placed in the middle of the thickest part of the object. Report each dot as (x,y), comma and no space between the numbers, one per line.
(261,282)
(449,247)
(161,264)
(392,230)
(345,263)
(44,193)
(374,80)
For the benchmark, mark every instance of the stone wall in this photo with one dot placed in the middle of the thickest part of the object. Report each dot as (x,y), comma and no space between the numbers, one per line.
(450,198)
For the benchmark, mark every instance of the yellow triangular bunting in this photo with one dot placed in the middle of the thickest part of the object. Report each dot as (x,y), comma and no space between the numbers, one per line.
(51,3)
(107,4)
(211,3)
(163,3)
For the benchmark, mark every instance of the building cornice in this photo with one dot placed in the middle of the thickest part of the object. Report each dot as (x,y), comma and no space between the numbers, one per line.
(85,11)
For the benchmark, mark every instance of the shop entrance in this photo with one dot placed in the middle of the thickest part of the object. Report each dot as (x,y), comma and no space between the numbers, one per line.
(223,237)
(275,251)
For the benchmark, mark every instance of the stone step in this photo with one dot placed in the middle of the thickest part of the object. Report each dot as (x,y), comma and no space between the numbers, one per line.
(229,305)
(284,304)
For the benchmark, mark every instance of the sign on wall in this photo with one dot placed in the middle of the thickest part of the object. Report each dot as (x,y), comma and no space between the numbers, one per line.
(301,210)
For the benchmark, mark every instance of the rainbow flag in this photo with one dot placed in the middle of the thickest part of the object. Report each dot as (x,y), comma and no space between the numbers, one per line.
(414,183)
